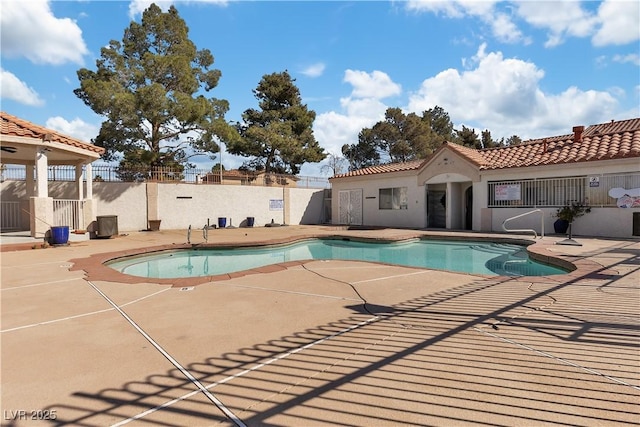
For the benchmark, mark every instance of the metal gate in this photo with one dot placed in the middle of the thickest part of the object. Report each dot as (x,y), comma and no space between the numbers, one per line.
(10,216)
(69,213)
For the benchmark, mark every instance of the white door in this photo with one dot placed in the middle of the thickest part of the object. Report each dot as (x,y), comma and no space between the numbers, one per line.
(351,207)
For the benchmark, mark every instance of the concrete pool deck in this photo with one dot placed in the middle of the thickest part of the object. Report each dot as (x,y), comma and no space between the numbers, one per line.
(297,345)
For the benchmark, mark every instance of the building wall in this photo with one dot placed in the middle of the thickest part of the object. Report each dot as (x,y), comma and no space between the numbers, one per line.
(412,217)
(602,221)
(181,205)
(200,205)
(306,205)
(126,200)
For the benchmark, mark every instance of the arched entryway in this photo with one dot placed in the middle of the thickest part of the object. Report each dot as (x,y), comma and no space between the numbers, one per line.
(449,203)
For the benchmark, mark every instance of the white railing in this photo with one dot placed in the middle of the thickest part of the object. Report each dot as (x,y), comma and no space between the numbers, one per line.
(10,216)
(526,230)
(69,213)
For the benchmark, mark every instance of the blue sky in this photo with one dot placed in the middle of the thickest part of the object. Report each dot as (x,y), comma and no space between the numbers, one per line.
(529,68)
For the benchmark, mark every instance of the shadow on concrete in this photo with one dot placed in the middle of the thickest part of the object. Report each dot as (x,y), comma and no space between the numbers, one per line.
(492,352)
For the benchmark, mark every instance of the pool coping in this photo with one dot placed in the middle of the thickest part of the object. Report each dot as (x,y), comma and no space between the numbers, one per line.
(95,268)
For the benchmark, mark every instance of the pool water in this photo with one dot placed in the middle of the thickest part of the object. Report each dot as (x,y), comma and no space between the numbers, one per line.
(462,256)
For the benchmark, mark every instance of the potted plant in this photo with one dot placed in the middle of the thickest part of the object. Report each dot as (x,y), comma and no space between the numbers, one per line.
(567,214)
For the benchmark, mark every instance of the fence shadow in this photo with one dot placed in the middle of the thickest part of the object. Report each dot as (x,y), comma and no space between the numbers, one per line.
(493,352)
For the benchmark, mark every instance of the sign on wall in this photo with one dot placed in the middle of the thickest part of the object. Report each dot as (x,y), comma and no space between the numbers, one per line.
(507,192)
(276,204)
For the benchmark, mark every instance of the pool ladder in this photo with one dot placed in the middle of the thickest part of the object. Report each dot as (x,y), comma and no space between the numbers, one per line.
(526,230)
(205,234)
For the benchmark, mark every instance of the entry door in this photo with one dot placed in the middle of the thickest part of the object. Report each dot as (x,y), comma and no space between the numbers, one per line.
(351,207)
(436,209)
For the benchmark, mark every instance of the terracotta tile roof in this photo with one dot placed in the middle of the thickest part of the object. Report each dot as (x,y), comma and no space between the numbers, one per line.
(613,140)
(390,167)
(12,125)
(471,154)
(605,141)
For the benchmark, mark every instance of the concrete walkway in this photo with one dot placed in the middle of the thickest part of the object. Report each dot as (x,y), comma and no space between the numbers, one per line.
(320,343)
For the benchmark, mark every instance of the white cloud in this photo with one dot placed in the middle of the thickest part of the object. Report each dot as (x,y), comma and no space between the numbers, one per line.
(29,29)
(334,129)
(501,94)
(632,58)
(560,18)
(616,22)
(450,9)
(314,70)
(504,95)
(501,24)
(11,87)
(136,7)
(505,30)
(620,23)
(453,9)
(76,128)
(361,109)
(376,85)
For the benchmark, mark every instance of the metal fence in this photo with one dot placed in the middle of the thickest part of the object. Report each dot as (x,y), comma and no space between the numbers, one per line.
(592,190)
(110,173)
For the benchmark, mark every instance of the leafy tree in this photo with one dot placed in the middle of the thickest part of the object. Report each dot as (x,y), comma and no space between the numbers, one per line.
(146,87)
(279,135)
(397,138)
(441,126)
(468,137)
(513,140)
(216,168)
(402,137)
(487,141)
(364,153)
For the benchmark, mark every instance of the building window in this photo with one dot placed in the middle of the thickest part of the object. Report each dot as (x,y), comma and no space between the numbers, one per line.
(393,198)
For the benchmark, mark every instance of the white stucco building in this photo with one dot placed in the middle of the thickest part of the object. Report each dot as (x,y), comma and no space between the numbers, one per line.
(461,188)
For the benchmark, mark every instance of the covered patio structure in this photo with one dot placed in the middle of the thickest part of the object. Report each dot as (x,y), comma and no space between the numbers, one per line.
(36,148)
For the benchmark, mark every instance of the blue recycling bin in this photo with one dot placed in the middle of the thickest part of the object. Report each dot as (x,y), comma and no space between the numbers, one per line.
(222,222)
(60,235)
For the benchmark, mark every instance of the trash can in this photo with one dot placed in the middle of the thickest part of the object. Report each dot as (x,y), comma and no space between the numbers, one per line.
(222,222)
(60,235)
(636,224)
(250,221)
(107,226)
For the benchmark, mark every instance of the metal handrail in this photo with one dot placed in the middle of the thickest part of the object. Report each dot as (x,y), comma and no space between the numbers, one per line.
(535,234)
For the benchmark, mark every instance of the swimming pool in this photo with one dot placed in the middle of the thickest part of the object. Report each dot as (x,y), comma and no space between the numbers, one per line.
(477,257)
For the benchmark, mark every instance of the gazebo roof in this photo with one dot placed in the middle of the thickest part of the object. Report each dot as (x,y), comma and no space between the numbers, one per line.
(20,140)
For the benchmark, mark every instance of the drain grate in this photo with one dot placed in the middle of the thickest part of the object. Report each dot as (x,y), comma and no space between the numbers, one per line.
(187,288)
